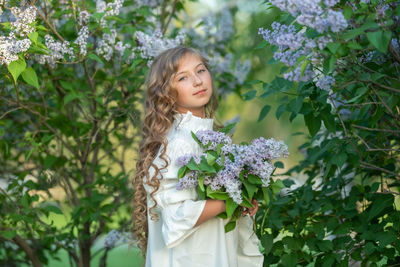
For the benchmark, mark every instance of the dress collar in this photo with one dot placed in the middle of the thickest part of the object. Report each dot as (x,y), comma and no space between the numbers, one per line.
(190,122)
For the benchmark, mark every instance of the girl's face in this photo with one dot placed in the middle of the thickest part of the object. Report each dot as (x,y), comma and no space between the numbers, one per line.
(193,84)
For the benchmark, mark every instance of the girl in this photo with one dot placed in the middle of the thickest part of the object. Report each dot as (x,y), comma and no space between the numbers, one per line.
(175,228)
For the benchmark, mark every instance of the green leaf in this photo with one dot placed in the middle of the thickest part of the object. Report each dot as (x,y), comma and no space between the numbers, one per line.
(204,166)
(231,206)
(249,95)
(30,77)
(254,179)
(264,111)
(289,260)
(277,186)
(216,194)
(33,36)
(262,44)
(210,158)
(352,33)
(227,128)
(70,97)
(265,195)
(279,164)
(181,172)
(379,205)
(201,183)
(333,47)
(339,159)
(192,165)
(52,208)
(380,39)
(95,57)
(9,234)
(313,123)
(16,68)
(267,241)
(251,188)
(325,245)
(230,226)
(280,110)
(304,66)
(196,139)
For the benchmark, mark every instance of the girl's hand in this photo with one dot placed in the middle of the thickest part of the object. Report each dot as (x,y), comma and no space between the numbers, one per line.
(251,211)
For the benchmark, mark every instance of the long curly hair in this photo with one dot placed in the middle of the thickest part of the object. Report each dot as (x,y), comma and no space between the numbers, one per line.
(158,117)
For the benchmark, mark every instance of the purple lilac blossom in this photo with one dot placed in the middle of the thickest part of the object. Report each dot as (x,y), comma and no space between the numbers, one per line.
(188,181)
(213,138)
(183,160)
(326,82)
(310,13)
(296,76)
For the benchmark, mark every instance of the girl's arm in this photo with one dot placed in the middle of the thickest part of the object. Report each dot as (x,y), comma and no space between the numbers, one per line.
(212,208)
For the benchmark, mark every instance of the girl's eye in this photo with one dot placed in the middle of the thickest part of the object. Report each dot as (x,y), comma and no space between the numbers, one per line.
(201,70)
(181,79)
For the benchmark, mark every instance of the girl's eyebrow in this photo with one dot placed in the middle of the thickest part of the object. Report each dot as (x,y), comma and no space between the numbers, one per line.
(201,63)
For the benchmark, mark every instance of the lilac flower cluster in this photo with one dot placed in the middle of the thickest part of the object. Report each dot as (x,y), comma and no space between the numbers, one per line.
(115,236)
(183,160)
(255,158)
(21,26)
(295,75)
(312,14)
(188,181)
(83,18)
(212,139)
(10,47)
(107,45)
(326,83)
(109,9)
(57,51)
(83,35)
(294,45)
(150,45)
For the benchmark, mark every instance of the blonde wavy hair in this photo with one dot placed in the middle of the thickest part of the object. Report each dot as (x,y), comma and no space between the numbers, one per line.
(158,117)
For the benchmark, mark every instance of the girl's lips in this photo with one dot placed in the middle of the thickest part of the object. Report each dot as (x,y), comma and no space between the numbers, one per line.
(199,92)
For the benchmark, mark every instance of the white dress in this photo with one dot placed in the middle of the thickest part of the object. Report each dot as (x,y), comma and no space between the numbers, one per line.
(173,241)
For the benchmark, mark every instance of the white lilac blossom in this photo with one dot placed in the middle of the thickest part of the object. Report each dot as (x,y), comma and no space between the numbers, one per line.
(109,9)
(108,44)
(23,18)
(10,47)
(101,6)
(83,18)
(152,45)
(326,82)
(57,51)
(83,35)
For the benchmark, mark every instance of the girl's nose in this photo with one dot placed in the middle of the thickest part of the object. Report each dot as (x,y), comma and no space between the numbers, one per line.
(196,80)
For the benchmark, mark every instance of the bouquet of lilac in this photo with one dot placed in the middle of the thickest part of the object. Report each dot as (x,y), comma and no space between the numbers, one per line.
(230,172)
